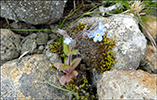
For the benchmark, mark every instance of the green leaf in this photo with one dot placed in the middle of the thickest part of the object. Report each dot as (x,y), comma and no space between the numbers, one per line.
(66,49)
(75,63)
(64,66)
(74,52)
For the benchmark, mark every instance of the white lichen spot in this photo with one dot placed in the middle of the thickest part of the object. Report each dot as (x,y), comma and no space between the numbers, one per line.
(107,26)
(130,24)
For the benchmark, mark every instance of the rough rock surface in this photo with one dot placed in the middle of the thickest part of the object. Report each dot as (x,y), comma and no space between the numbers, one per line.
(53,57)
(149,63)
(33,12)
(21,79)
(22,25)
(131,84)
(35,47)
(9,45)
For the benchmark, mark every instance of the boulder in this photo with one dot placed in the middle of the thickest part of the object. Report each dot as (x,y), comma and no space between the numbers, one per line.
(21,79)
(133,84)
(33,12)
(9,45)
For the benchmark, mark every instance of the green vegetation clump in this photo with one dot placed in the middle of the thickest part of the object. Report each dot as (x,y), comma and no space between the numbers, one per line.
(82,91)
(98,55)
(81,26)
(55,48)
(105,59)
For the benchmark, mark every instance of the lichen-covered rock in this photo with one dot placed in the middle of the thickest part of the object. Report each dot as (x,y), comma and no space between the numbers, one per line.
(127,85)
(33,12)
(34,47)
(21,79)
(9,45)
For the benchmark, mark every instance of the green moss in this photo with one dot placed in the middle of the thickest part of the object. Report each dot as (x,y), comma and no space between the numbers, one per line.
(81,26)
(55,48)
(105,59)
(52,67)
(82,91)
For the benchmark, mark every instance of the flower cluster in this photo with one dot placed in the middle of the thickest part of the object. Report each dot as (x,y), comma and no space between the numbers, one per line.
(98,34)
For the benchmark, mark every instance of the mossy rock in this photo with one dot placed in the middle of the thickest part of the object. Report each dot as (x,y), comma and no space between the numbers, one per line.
(97,55)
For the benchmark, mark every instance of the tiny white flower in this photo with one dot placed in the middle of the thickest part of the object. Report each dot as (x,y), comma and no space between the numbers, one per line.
(67,40)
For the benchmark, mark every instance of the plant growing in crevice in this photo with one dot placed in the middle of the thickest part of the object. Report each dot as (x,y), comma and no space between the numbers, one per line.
(94,31)
(83,91)
(96,48)
(69,64)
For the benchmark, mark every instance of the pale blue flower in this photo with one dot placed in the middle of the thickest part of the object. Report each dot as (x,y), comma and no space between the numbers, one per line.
(98,35)
(101,26)
(90,35)
(67,40)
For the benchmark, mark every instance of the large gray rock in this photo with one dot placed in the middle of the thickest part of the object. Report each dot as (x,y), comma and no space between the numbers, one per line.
(9,45)
(21,79)
(126,85)
(33,12)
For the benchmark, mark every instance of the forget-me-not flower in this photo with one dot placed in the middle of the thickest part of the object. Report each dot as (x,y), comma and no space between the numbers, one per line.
(101,26)
(67,40)
(90,35)
(98,35)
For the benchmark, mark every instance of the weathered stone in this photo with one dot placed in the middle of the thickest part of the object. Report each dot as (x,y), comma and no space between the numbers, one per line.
(50,55)
(33,12)
(151,26)
(34,46)
(9,45)
(22,25)
(21,79)
(127,85)
(149,62)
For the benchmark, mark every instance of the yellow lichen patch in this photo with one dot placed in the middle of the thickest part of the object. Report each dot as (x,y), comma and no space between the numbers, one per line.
(7,68)
(22,97)
(27,70)
(27,63)
(16,74)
